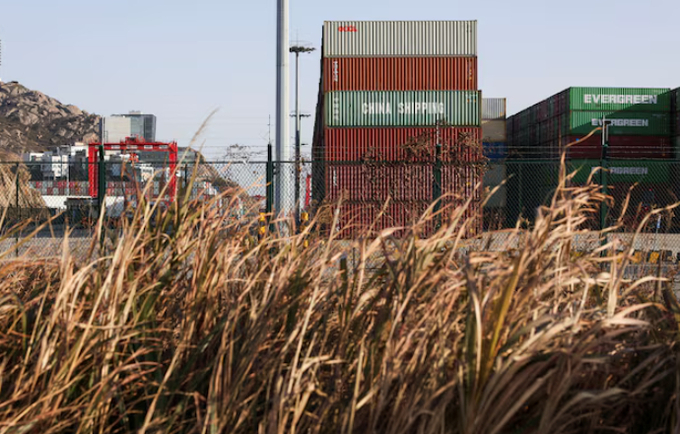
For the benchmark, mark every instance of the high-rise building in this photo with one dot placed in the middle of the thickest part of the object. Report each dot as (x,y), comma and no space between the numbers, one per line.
(117,128)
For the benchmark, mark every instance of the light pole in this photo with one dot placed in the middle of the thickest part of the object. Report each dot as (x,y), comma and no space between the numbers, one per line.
(297,49)
(298,158)
(282,187)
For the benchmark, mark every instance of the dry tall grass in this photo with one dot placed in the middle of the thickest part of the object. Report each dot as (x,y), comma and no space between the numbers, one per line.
(190,324)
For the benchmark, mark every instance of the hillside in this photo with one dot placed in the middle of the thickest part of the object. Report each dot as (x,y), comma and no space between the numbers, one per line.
(32,121)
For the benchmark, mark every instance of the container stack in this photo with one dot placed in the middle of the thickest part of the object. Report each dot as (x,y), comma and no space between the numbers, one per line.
(389,92)
(496,151)
(641,124)
(639,146)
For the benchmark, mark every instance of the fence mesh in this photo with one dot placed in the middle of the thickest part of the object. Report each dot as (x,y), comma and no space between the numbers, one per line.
(376,194)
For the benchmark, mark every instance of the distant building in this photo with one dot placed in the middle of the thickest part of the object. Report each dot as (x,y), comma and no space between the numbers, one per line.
(116,128)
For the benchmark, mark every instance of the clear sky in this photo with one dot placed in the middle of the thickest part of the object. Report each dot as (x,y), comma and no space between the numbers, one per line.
(181,59)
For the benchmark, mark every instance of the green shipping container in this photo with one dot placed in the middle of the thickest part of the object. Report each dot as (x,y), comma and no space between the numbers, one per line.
(624,171)
(617,98)
(402,108)
(624,123)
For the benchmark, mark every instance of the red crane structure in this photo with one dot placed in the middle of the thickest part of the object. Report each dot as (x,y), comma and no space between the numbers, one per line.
(132,144)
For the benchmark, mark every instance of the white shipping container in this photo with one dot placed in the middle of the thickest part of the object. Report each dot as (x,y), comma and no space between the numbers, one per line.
(493,108)
(493,131)
(399,38)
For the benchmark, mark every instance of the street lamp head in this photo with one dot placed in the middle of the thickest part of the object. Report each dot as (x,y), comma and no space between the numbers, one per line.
(301,49)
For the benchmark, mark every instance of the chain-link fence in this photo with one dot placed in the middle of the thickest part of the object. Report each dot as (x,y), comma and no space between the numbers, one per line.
(372,195)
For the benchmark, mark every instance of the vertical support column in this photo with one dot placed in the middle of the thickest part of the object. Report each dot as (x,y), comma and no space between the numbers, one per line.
(18,208)
(298,169)
(604,163)
(282,182)
(101,182)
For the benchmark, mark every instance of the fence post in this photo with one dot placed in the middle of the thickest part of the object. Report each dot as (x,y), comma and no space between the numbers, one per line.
(437,185)
(186,178)
(270,182)
(604,163)
(18,209)
(101,193)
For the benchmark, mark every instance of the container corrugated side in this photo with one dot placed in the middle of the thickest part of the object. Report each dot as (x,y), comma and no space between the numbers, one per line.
(494,177)
(618,98)
(623,147)
(493,108)
(399,38)
(675,104)
(361,219)
(495,150)
(402,109)
(400,73)
(625,123)
(493,131)
(379,182)
(623,171)
(398,144)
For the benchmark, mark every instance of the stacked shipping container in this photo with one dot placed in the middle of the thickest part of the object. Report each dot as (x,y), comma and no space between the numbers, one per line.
(389,92)
(641,124)
(495,150)
(641,129)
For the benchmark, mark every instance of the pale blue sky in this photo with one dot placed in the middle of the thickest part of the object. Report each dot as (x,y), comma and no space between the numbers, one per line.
(181,59)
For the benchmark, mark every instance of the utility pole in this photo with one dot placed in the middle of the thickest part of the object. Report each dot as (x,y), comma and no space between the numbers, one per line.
(297,49)
(282,181)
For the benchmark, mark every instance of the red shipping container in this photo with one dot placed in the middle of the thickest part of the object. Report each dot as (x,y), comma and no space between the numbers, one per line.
(401,144)
(399,73)
(379,181)
(49,191)
(620,147)
(356,219)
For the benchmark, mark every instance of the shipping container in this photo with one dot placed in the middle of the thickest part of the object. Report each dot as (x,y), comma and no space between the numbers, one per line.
(493,131)
(675,104)
(624,171)
(394,144)
(623,123)
(493,108)
(403,109)
(399,38)
(495,151)
(495,176)
(399,73)
(379,181)
(619,147)
(616,99)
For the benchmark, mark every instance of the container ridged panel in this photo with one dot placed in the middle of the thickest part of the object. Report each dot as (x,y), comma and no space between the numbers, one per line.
(623,123)
(402,109)
(619,98)
(399,38)
(493,108)
(493,131)
(622,171)
(399,73)
(622,147)
(396,144)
